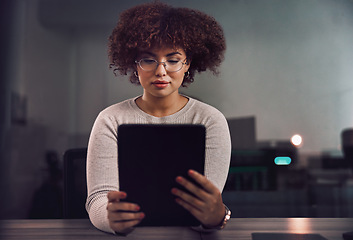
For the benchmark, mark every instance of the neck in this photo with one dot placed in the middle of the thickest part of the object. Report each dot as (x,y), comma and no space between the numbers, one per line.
(161,106)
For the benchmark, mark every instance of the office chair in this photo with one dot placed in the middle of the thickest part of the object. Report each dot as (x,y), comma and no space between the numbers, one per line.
(75,188)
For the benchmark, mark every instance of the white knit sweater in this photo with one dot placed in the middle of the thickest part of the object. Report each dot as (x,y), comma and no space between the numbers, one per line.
(102,159)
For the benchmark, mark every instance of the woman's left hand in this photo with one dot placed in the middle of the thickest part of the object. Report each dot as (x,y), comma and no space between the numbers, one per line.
(207,205)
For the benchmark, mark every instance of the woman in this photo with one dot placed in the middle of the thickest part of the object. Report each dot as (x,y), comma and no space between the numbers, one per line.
(161,47)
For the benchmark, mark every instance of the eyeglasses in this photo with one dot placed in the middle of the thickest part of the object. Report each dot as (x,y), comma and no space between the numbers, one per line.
(148,64)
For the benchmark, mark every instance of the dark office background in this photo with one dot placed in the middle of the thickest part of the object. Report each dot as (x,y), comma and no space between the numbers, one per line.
(287,70)
(6,10)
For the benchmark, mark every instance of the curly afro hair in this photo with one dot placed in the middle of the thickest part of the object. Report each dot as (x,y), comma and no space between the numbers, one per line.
(158,24)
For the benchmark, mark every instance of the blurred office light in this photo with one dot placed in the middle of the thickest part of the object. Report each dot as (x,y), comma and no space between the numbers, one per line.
(297,140)
(283,160)
(299,225)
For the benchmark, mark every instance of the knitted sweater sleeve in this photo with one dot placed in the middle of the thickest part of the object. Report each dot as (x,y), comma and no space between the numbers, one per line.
(218,149)
(102,170)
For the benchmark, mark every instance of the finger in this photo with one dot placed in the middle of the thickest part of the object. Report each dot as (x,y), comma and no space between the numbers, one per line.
(191,200)
(212,219)
(123,206)
(116,196)
(125,216)
(124,227)
(203,181)
(197,191)
(194,211)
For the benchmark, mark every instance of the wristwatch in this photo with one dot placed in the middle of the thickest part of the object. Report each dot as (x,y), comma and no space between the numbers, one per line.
(226,217)
(224,221)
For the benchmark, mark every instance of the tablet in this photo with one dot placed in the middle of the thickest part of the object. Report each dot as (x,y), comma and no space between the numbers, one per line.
(286,236)
(150,157)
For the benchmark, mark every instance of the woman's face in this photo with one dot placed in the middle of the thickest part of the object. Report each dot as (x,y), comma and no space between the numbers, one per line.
(161,80)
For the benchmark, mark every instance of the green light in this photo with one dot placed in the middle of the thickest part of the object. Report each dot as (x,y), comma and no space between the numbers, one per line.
(283,160)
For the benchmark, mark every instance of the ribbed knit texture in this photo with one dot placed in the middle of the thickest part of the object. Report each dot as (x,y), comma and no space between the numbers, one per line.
(102,157)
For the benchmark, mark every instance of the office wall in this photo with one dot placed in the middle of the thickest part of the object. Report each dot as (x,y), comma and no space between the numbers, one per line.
(288,63)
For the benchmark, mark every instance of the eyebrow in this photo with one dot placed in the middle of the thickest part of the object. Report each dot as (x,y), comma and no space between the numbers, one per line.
(173,53)
(168,55)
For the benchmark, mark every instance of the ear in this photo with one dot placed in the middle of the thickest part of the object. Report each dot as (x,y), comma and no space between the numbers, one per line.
(187,64)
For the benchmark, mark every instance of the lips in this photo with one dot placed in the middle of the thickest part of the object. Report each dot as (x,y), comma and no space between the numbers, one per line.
(160,83)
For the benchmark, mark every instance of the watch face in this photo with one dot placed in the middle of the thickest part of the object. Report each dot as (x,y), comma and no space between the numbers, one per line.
(226,217)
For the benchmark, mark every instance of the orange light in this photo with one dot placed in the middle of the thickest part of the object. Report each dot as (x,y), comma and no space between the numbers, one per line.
(299,225)
(297,140)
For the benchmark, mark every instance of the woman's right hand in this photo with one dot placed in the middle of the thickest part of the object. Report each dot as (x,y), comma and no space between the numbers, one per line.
(122,216)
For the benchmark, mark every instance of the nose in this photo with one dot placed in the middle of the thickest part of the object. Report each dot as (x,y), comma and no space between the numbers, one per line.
(160,70)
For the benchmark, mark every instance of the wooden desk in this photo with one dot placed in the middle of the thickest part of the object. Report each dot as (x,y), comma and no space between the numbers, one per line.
(238,228)
(241,228)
